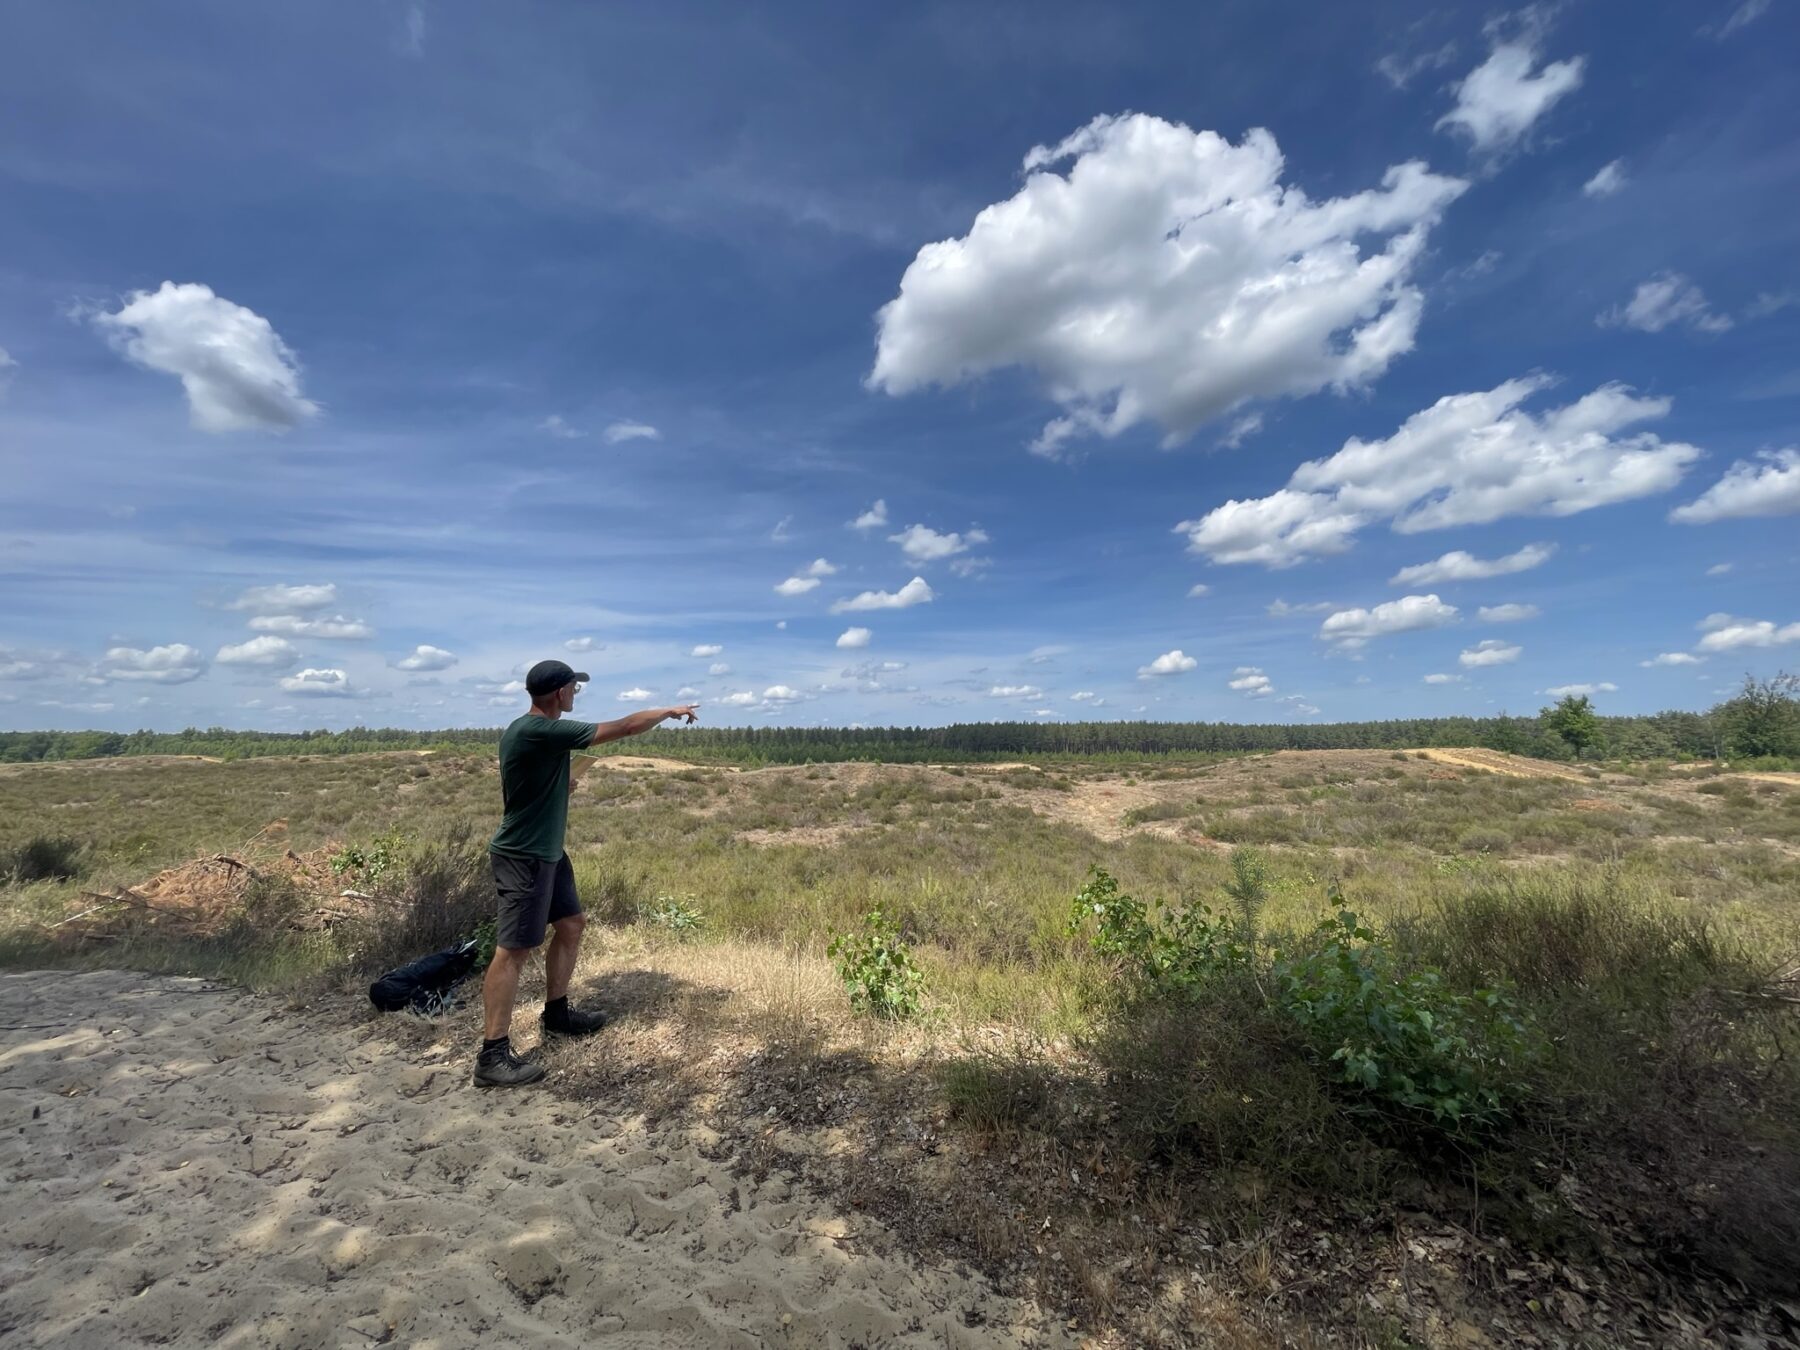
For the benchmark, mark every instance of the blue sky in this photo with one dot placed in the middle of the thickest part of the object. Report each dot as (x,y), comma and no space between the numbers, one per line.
(922,362)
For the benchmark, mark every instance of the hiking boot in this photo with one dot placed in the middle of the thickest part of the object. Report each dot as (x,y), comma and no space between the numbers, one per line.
(502,1068)
(573,1022)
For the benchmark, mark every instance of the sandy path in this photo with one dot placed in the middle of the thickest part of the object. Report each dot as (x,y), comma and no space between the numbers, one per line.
(190,1166)
(1510,766)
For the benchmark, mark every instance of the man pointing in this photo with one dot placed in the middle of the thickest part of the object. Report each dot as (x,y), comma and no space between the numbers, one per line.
(536,885)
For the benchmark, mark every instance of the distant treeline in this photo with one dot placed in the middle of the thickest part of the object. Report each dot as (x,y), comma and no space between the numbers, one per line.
(1720,731)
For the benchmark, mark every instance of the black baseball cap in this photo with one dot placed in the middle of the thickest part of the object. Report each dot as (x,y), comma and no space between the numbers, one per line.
(546,677)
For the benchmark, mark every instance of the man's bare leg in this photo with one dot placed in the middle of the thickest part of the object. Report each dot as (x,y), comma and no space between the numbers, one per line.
(500,987)
(559,961)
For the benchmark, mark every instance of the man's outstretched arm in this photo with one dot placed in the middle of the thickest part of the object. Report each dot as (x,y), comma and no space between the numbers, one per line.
(635,724)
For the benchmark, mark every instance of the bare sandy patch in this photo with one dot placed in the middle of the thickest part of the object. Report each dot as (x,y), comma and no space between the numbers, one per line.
(810,836)
(190,1165)
(1511,766)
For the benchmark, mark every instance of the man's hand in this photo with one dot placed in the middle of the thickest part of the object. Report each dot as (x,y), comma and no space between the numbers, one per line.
(686,712)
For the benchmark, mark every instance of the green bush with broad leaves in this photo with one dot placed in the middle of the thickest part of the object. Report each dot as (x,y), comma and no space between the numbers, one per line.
(1395,1037)
(877,968)
(676,915)
(367,865)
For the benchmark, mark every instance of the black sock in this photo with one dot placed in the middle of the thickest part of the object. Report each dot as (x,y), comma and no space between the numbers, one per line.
(498,1045)
(556,1009)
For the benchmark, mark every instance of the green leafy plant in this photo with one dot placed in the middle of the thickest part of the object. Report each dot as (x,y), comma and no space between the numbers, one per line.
(367,866)
(877,968)
(674,914)
(1401,1036)
(1170,950)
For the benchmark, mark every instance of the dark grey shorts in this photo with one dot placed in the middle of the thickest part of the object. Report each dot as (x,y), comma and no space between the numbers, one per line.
(533,895)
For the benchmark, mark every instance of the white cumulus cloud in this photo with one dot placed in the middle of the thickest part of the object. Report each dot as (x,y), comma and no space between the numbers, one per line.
(1198,589)
(1280,609)
(1015,691)
(236,371)
(1354,627)
(636,695)
(1673,659)
(818,567)
(286,599)
(1725,633)
(781,693)
(796,586)
(1168,276)
(631,431)
(852,638)
(1499,102)
(922,544)
(177,663)
(873,519)
(298,625)
(319,684)
(426,657)
(1461,566)
(1443,679)
(706,649)
(915,592)
(580,644)
(1581,690)
(1506,613)
(1084,696)
(1176,662)
(1748,489)
(1467,460)
(1491,652)
(259,651)
(1663,301)
(553,425)
(742,699)
(719,668)
(1252,681)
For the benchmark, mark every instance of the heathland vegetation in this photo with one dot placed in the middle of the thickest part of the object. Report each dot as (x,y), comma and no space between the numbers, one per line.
(1234,1044)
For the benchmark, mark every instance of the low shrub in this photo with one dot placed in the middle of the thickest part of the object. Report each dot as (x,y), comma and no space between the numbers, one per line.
(42,857)
(877,968)
(675,915)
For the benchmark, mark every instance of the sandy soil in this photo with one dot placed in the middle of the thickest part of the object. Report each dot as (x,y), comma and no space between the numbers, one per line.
(188,1165)
(1497,761)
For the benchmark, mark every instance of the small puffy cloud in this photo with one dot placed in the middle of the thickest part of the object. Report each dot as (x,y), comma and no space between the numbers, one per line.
(1673,659)
(1506,613)
(236,371)
(1354,627)
(1748,489)
(631,431)
(1443,679)
(1084,696)
(719,668)
(818,567)
(265,651)
(426,657)
(635,695)
(1608,181)
(874,518)
(1720,569)
(1198,589)
(176,663)
(853,638)
(580,644)
(319,684)
(1176,662)
(687,691)
(1168,276)
(1663,301)
(1492,652)
(706,649)
(1252,681)
(1469,459)
(742,699)
(553,425)
(298,625)
(1724,633)
(1015,691)
(797,586)
(286,599)
(1461,566)
(922,544)
(1581,690)
(1499,102)
(781,693)
(1280,609)
(915,592)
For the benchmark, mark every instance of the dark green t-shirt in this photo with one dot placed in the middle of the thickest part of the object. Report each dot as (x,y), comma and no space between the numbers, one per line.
(534,783)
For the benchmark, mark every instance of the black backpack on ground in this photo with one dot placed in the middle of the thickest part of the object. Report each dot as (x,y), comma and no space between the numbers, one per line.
(424,985)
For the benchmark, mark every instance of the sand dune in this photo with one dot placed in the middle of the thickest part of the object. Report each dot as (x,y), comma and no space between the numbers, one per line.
(187,1165)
